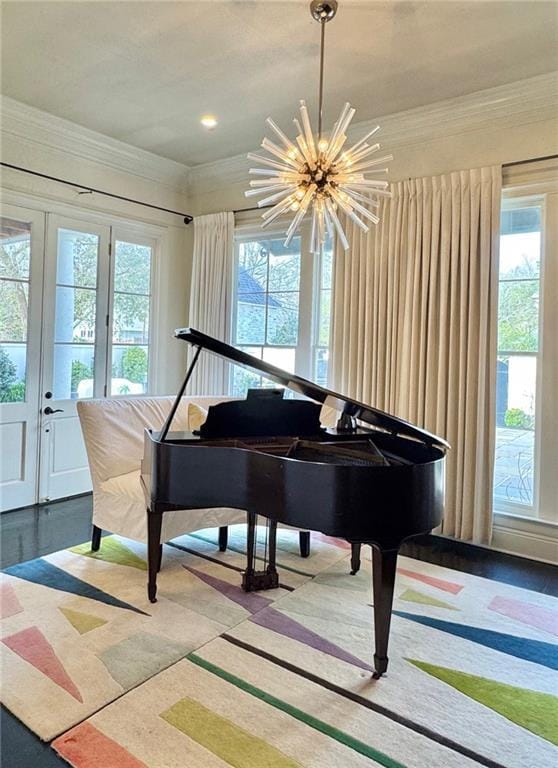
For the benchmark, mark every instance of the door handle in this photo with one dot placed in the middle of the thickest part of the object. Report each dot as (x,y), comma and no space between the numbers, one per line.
(48,411)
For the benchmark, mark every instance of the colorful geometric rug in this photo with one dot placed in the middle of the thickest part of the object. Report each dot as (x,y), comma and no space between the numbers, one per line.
(212,677)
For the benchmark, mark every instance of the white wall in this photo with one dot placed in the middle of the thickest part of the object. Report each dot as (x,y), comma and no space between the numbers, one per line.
(38,141)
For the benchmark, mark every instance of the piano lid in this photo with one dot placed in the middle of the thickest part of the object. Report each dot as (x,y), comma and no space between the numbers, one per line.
(345,405)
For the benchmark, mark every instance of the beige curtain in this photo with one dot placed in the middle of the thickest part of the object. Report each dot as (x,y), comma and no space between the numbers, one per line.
(211,296)
(414,325)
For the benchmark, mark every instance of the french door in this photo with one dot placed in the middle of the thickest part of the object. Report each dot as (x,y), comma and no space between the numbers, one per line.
(75,323)
(74,343)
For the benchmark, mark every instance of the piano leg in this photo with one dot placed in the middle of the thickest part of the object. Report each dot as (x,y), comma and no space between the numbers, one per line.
(304,543)
(223,538)
(384,563)
(96,539)
(355,557)
(154,524)
(253,580)
(248,575)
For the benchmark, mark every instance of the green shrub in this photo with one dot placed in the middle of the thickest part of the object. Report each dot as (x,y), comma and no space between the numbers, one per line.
(11,391)
(134,365)
(515,417)
(80,371)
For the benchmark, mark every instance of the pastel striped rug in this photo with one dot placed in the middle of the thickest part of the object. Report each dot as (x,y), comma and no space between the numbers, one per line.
(210,676)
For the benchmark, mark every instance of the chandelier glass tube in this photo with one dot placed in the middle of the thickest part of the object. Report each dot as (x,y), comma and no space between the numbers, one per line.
(318,174)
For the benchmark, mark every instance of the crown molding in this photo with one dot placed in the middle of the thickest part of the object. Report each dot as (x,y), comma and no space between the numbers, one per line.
(33,126)
(525,101)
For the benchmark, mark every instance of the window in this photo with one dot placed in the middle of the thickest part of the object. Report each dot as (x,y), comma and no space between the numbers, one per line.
(131,299)
(526,359)
(281,307)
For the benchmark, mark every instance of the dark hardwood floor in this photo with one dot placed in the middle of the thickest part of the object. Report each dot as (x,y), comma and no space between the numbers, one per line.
(39,530)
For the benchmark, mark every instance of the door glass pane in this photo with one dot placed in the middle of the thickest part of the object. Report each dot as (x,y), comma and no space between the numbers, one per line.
(132,268)
(129,370)
(75,315)
(77,258)
(15,248)
(15,251)
(130,318)
(14,304)
(12,372)
(73,371)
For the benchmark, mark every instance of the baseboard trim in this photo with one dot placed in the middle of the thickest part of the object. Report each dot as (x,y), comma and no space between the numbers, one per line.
(530,544)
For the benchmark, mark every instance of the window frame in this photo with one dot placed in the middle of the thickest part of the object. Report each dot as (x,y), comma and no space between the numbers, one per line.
(544,509)
(309,293)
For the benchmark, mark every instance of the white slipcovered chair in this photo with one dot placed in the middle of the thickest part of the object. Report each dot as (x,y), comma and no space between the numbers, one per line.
(113,431)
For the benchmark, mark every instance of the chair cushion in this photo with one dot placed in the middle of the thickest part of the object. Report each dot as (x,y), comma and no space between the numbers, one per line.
(196,416)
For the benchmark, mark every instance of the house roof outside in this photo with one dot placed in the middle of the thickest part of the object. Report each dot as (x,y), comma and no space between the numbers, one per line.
(251,292)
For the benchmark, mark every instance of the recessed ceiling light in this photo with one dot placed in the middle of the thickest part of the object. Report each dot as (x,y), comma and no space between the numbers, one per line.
(208,121)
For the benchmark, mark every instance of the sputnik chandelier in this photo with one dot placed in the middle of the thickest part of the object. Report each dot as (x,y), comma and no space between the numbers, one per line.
(318,173)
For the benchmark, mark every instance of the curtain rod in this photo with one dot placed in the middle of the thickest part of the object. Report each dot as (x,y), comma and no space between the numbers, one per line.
(254,208)
(530,160)
(504,165)
(90,190)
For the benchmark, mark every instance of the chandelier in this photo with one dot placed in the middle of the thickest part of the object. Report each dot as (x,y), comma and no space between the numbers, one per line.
(317,173)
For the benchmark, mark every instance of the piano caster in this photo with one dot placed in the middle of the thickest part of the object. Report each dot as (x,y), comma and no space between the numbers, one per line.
(152,593)
(355,557)
(255,581)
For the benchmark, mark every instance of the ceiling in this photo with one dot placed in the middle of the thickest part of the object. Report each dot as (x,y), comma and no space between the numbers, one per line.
(144,72)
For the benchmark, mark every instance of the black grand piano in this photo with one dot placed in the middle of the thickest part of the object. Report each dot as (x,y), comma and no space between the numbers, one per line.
(374,479)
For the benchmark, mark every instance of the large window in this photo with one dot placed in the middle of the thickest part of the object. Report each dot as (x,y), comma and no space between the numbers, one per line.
(527,357)
(281,307)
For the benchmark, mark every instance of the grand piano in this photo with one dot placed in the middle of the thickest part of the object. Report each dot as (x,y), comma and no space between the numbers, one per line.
(373,479)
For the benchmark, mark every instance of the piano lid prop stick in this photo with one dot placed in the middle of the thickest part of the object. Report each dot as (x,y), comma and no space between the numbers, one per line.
(179,396)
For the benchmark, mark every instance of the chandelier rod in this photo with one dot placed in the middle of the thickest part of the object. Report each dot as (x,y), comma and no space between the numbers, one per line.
(321,88)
